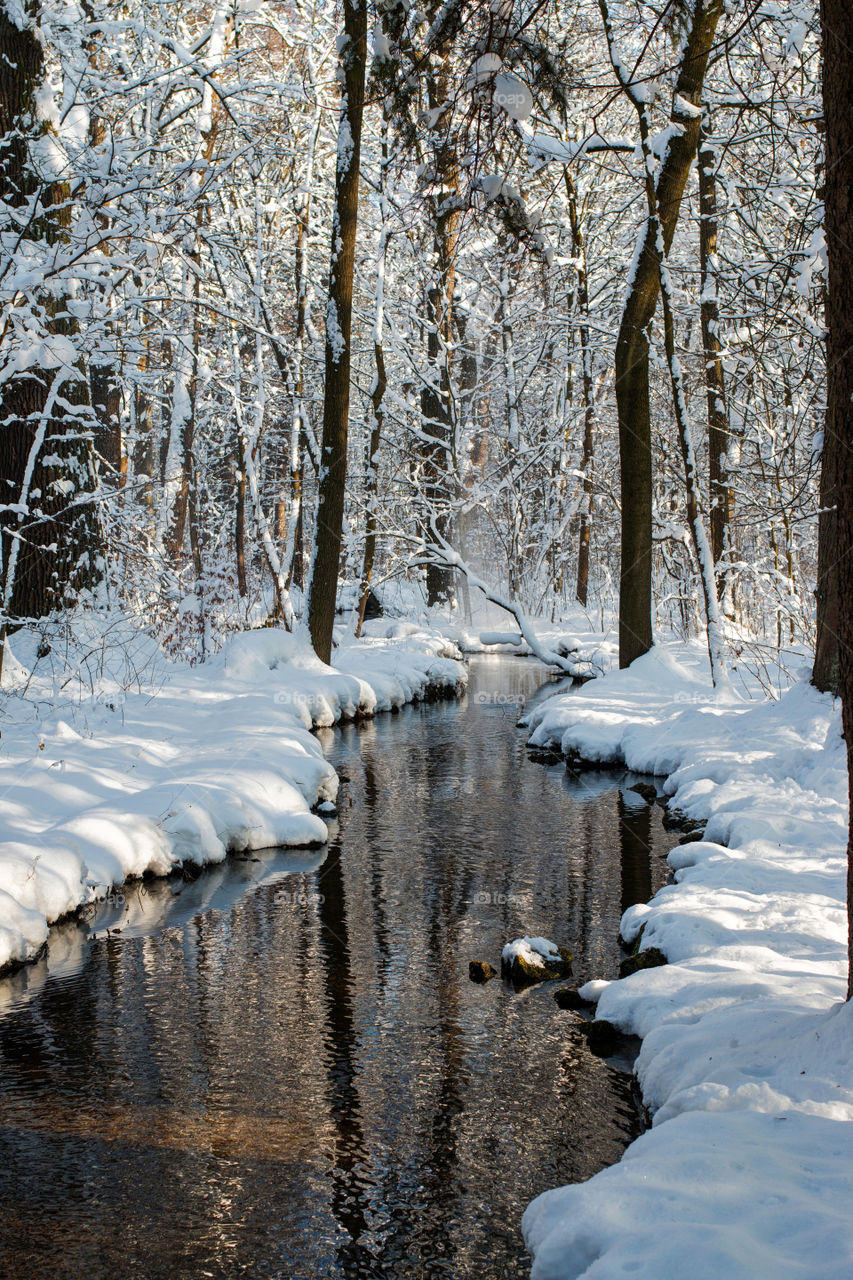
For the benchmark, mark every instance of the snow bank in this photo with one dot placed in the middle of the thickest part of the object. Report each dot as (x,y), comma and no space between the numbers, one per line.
(404,665)
(197,763)
(746,1197)
(746,1058)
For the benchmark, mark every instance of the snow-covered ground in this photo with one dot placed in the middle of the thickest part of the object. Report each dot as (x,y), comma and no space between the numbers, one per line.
(115,763)
(747,1053)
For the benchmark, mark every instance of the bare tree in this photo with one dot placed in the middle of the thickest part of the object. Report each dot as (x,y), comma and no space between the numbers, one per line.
(837,30)
(718,426)
(632,347)
(323,581)
(49,535)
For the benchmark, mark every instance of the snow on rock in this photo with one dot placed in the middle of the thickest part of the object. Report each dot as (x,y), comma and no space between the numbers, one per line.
(529,960)
(199,762)
(745,1061)
(533,951)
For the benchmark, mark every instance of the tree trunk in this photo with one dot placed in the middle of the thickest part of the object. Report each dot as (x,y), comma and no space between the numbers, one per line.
(436,402)
(323,583)
(50,537)
(372,495)
(826,673)
(143,451)
(240,518)
(632,346)
(377,394)
(837,29)
(180,461)
(584,529)
(292,538)
(701,545)
(718,427)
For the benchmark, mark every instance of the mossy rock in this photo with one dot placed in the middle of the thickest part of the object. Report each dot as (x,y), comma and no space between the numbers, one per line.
(633,947)
(676,820)
(481,971)
(651,958)
(576,763)
(571,998)
(521,973)
(604,1038)
(545,755)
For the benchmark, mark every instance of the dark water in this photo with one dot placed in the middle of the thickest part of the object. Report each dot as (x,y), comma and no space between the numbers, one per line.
(282,1069)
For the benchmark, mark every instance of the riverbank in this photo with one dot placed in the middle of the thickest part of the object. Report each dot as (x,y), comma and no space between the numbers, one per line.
(115,763)
(745,1061)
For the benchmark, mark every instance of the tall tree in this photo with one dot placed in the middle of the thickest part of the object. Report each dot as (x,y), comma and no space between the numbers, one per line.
(826,673)
(837,30)
(323,584)
(718,431)
(48,533)
(442,205)
(632,346)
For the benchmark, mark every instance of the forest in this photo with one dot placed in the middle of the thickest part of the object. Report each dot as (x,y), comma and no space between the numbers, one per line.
(497,353)
(350,346)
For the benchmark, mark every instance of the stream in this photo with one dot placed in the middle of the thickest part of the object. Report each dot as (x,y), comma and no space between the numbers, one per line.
(281,1069)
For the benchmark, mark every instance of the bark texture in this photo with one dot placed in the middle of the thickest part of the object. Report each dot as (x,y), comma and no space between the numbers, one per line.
(837,30)
(323,586)
(718,428)
(632,346)
(49,538)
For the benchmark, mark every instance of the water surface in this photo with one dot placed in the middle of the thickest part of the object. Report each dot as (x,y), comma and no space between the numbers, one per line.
(281,1069)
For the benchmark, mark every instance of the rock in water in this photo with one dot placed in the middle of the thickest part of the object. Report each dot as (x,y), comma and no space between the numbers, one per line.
(651,958)
(529,960)
(603,1038)
(480,971)
(571,998)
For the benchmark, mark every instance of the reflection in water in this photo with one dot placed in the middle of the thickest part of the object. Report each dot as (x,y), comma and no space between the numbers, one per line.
(281,1069)
(635,828)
